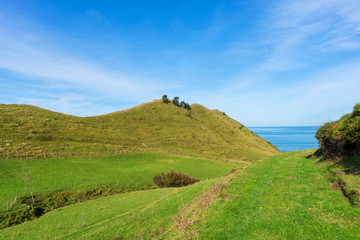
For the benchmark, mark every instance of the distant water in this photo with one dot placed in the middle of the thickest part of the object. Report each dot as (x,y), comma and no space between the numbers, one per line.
(288,139)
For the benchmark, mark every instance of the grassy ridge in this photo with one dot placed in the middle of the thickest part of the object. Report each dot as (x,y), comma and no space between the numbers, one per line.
(28,131)
(131,170)
(283,197)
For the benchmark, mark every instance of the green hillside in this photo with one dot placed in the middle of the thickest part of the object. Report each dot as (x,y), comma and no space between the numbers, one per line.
(29,131)
(281,197)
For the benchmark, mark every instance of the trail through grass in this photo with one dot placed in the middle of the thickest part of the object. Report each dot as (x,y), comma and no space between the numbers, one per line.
(137,215)
(283,197)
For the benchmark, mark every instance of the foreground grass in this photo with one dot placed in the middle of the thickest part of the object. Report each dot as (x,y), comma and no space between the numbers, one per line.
(283,197)
(344,175)
(137,215)
(288,196)
(131,170)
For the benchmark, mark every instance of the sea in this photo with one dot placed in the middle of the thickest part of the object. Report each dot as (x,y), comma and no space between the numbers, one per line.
(288,139)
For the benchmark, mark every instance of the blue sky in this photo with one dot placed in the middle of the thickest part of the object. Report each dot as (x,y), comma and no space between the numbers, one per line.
(264,63)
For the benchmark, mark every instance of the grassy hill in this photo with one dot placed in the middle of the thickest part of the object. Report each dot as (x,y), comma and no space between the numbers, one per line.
(281,197)
(29,131)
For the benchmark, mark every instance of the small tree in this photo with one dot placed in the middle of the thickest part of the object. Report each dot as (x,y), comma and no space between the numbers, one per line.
(175,101)
(165,99)
(26,176)
(182,104)
(187,106)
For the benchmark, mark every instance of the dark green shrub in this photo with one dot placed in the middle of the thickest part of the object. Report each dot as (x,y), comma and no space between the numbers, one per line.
(158,180)
(25,209)
(165,99)
(173,179)
(356,111)
(341,138)
(175,101)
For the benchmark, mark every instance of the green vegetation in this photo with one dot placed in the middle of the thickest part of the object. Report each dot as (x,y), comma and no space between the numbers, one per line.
(282,197)
(341,138)
(340,153)
(176,102)
(165,99)
(173,179)
(129,171)
(31,132)
(25,208)
(60,182)
(344,176)
(137,215)
(52,164)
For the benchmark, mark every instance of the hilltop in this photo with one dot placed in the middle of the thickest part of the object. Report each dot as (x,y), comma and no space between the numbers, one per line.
(32,132)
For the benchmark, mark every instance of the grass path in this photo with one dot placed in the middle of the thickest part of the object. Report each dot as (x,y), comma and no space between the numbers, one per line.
(282,197)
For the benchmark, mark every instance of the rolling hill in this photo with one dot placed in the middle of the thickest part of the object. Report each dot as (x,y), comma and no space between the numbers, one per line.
(31,132)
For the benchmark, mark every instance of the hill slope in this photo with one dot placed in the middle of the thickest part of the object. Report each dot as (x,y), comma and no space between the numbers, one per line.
(29,131)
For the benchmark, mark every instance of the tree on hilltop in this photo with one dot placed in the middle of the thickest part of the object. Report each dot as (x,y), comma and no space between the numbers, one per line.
(182,104)
(175,101)
(165,99)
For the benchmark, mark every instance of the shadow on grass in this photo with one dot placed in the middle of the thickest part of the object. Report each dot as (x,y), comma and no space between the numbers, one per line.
(349,165)
(338,168)
(25,209)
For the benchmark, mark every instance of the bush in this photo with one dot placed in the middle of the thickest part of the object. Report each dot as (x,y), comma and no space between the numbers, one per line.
(341,138)
(175,101)
(173,179)
(165,99)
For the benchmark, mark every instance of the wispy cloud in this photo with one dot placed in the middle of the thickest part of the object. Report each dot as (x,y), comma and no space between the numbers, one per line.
(273,71)
(323,96)
(297,30)
(32,53)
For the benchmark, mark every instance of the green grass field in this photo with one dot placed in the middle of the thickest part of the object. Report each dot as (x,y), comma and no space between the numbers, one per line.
(133,170)
(287,196)
(137,215)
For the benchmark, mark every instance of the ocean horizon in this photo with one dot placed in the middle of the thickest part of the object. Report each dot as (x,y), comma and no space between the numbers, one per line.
(289,138)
